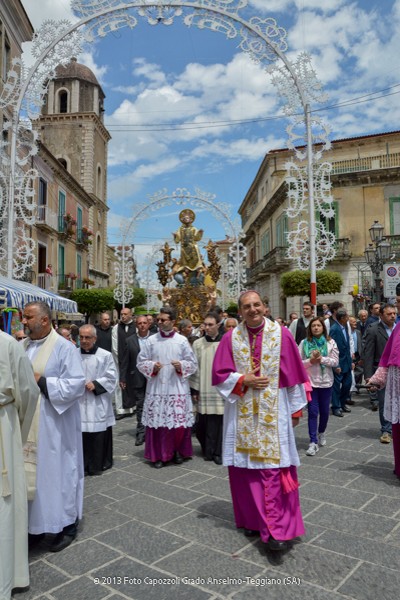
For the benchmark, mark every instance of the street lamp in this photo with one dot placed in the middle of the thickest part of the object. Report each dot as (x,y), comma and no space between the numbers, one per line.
(376,254)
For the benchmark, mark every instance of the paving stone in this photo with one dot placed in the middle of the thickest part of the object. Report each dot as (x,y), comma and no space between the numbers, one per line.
(118,492)
(165,491)
(188,480)
(344,497)
(326,569)
(394,537)
(387,486)
(149,510)
(82,588)
(370,582)
(210,531)
(82,557)
(308,505)
(167,473)
(218,508)
(322,475)
(96,501)
(97,521)
(382,505)
(144,583)
(351,521)
(141,541)
(107,480)
(210,566)
(312,533)
(350,456)
(373,551)
(43,578)
(215,487)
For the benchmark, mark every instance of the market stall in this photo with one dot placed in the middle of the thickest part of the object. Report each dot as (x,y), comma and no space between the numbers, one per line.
(14,294)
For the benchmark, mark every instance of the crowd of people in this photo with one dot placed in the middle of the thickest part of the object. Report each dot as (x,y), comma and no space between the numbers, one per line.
(240,384)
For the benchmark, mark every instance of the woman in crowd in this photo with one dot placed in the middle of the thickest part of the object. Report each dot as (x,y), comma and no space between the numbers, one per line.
(320,354)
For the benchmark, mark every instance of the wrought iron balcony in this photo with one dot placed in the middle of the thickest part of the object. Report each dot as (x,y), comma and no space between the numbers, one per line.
(273,262)
(47,219)
(68,282)
(343,248)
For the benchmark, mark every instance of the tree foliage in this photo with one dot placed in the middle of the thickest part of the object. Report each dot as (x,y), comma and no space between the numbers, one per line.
(297,283)
(93,300)
(232,309)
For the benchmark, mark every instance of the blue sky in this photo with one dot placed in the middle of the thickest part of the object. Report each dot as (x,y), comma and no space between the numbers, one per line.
(169,88)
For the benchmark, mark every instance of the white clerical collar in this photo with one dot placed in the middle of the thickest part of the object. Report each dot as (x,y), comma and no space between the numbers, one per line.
(39,341)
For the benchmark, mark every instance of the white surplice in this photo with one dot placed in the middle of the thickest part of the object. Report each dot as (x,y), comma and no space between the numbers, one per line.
(96,411)
(59,479)
(168,402)
(18,397)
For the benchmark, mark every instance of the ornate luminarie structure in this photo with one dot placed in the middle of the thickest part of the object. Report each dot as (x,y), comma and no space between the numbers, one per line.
(220,211)
(262,39)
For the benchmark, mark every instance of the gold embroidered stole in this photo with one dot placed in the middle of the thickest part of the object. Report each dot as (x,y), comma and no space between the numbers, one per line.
(257,411)
(30,447)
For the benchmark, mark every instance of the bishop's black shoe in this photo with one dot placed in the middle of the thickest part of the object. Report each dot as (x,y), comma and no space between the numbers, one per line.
(276,545)
(250,532)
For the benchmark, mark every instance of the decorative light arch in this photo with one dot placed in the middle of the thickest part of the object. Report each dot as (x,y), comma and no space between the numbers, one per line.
(262,39)
(221,211)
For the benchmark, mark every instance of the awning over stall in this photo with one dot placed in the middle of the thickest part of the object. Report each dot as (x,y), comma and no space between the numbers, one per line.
(15,293)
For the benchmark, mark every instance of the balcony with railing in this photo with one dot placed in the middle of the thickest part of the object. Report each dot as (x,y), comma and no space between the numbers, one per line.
(47,219)
(66,226)
(274,261)
(343,249)
(367,163)
(83,238)
(69,282)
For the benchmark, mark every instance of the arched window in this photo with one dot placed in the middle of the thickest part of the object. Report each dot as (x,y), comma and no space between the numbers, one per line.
(63,162)
(63,101)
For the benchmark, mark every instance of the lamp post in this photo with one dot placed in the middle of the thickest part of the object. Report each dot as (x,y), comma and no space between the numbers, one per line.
(376,254)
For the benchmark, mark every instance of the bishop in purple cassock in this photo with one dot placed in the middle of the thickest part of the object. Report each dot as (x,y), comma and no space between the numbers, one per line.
(258,371)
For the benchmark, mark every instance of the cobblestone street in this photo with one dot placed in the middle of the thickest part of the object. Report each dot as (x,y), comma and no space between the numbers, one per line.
(143,525)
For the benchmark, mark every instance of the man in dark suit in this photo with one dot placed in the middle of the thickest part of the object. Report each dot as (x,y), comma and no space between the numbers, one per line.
(374,343)
(342,374)
(358,354)
(131,379)
(120,333)
(104,332)
(362,321)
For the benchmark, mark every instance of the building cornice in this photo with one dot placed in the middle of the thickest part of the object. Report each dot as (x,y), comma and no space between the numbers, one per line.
(79,117)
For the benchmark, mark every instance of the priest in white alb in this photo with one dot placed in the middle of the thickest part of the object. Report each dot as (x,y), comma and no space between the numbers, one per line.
(97,415)
(258,371)
(18,398)
(55,440)
(167,361)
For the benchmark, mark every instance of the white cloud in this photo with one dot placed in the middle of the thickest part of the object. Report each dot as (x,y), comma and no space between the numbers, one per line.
(130,184)
(281,6)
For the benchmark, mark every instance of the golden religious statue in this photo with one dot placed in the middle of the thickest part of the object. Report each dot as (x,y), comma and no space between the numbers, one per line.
(187,236)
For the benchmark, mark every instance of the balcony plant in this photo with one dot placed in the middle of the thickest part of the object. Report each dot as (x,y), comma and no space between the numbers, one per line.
(69,224)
